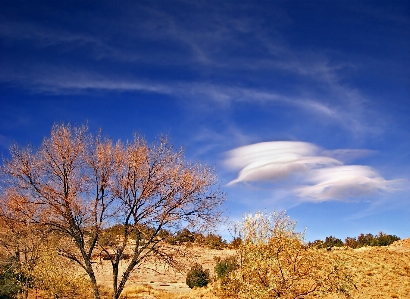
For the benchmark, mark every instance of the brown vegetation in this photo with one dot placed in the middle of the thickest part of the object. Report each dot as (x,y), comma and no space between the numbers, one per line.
(274,262)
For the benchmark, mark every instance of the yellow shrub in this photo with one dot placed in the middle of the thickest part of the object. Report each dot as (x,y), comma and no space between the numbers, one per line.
(275,263)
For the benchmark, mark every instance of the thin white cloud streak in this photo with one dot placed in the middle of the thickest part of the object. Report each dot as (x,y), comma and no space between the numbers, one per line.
(65,81)
(44,37)
(203,45)
(314,176)
(62,80)
(347,113)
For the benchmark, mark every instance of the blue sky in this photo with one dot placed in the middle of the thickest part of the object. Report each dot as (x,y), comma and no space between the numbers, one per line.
(299,105)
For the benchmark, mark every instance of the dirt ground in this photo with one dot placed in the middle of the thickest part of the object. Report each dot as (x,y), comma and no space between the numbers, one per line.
(160,277)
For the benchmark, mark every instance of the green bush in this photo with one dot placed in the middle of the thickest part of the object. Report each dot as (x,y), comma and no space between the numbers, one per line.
(332,242)
(214,241)
(9,282)
(225,266)
(381,239)
(364,240)
(197,277)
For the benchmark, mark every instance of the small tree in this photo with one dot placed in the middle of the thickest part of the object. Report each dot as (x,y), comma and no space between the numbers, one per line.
(214,241)
(365,240)
(274,262)
(197,277)
(351,242)
(332,242)
(383,239)
(77,185)
(184,236)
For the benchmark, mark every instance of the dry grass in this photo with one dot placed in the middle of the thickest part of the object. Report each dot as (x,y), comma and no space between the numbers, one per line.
(379,272)
(145,291)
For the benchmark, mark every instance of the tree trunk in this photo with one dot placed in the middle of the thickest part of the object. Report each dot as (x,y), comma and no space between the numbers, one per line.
(94,285)
(115,294)
(95,289)
(124,279)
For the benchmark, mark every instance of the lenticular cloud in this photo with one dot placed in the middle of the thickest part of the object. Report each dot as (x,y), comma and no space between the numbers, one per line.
(315,176)
(276,160)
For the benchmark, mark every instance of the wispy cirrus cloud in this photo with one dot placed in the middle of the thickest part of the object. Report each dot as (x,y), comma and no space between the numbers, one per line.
(56,80)
(212,45)
(312,173)
(64,41)
(347,113)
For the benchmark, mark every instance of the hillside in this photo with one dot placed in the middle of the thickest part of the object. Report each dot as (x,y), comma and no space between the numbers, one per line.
(378,272)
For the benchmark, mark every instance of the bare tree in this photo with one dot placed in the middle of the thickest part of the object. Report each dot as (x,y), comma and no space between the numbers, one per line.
(156,190)
(78,186)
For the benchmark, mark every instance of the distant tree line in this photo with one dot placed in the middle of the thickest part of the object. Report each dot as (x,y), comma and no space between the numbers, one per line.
(186,237)
(381,239)
(183,237)
(214,241)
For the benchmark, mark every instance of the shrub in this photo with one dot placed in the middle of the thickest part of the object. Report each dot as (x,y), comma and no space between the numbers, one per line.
(316,244)
(9,283)
(197,276)
(275,262)
(225,266)
(236,242)
(184,236)
(351,242)
(333,242)
(364,240)
(381,239)
(214,241)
